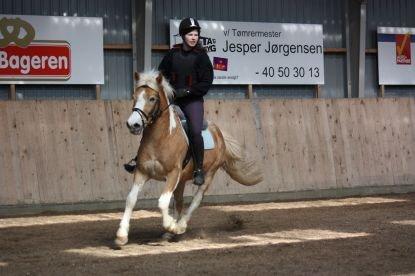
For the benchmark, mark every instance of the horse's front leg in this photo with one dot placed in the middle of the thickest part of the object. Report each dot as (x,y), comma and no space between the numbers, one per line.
(122,233)
(173,179)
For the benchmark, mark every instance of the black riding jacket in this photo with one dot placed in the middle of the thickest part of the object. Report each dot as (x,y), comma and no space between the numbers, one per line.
(191,70)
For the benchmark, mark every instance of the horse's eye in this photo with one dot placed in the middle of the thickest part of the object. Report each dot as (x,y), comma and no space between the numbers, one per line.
(152,99)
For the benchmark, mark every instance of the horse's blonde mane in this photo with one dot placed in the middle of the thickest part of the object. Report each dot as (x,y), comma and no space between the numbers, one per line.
(149,78)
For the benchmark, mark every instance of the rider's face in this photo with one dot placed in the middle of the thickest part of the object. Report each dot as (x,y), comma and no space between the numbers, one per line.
(191,38)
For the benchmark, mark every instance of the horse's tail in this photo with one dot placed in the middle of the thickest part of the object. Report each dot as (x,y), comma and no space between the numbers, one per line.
(237,164)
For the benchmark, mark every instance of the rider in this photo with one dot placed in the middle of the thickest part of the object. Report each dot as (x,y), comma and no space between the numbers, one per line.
(190,72)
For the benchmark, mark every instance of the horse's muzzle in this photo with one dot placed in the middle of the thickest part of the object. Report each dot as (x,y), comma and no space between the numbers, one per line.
(135,129)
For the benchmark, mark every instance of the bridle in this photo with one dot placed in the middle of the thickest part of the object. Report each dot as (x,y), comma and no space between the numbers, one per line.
(150,118)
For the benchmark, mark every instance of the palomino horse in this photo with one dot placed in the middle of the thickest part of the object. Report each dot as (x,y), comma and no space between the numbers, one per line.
(163,148)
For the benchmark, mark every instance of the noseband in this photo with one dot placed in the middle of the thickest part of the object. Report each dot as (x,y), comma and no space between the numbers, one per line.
(149,119)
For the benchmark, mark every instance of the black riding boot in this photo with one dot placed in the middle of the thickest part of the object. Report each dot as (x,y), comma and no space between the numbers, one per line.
(198,174)
(198,177)
(131,165)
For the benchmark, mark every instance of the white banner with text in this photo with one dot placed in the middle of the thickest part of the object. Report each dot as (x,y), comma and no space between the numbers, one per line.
(261,53)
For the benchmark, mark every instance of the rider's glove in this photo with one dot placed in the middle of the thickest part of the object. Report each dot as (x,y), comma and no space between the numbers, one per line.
(182,92)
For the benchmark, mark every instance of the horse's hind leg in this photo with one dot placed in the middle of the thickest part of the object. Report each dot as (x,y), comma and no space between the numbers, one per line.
(178,200)
(122,233)
(197,199)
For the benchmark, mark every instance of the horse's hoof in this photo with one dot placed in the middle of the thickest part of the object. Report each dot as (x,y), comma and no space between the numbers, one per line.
(180,231)
(169,224)
(181,227)
(172,228)
(177,230)
(121,241)
(167,236)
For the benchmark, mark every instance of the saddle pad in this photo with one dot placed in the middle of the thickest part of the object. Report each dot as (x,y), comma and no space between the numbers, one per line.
(208,139)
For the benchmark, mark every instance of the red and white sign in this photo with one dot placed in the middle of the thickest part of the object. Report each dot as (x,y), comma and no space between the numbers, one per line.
(51,50)
(403,48)
(396,47)
(38,60)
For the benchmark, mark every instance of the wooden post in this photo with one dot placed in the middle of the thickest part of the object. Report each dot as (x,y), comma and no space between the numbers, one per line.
(98,92)
(317,91)
(382,91)
(12,93)
(249,92)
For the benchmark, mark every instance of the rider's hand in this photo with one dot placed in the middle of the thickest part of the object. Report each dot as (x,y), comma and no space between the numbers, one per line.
(182,92)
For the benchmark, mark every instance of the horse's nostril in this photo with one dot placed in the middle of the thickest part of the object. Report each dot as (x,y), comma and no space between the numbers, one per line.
(136,125)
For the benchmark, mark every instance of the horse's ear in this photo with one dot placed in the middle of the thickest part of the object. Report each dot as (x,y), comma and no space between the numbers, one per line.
(136,76)
(159,78)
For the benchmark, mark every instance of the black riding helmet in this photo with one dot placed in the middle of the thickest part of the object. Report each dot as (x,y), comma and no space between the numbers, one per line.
(187,25)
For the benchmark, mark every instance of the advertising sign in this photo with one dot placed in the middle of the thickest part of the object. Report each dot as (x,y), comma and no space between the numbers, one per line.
(396,47)
(51,50)
(261,53)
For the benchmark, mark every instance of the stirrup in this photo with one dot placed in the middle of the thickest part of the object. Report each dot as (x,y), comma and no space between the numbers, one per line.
(198,177)
(131,165)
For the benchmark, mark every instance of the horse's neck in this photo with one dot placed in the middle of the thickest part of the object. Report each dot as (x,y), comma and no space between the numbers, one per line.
(161,128)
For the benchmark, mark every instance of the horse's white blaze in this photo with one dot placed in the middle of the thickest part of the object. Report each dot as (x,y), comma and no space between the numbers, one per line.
(135,118)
